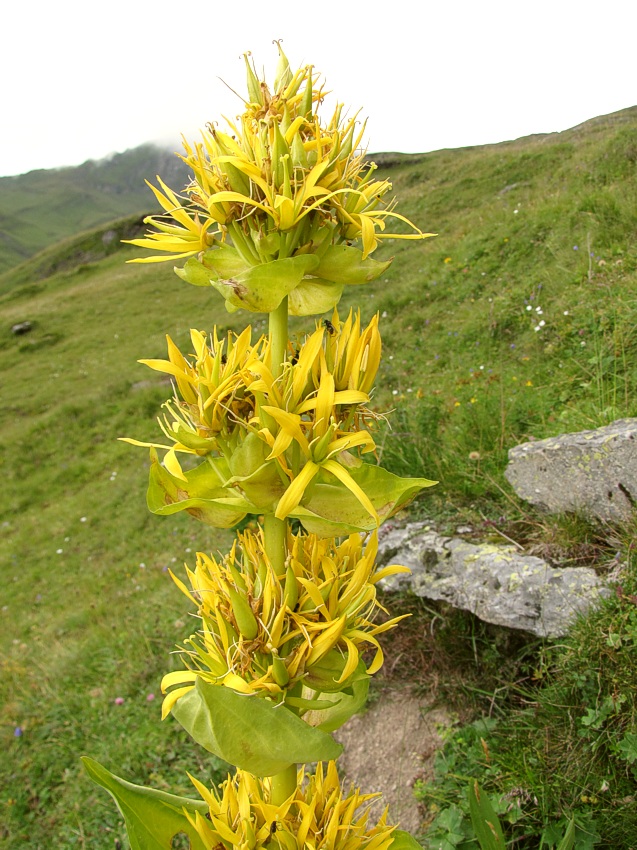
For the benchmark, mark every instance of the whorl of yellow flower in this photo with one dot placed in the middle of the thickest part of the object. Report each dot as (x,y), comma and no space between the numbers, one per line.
(299,423)
(279,185)
(320,815)
(287,635)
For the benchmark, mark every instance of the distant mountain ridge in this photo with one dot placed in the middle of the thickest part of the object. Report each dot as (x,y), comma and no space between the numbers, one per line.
(43,207)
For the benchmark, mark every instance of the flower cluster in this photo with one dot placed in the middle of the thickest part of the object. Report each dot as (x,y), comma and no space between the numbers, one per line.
(287,636)
(318,814)
(276,202)
(273,436)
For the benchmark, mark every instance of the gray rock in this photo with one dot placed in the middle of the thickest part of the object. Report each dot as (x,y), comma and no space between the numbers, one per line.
(496,583)
(21,328)
(594,472)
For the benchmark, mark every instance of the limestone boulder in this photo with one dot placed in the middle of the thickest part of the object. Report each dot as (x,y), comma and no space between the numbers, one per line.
(593,472)
(499,584)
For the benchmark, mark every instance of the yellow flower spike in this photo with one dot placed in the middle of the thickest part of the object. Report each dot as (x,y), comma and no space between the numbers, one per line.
(278,171)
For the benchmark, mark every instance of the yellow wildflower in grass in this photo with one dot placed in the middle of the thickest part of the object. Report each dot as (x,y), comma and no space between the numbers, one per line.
(319,814)
(289,635)
(279,187)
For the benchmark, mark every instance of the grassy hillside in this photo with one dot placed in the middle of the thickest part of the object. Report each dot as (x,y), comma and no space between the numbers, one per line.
(40,208)
(518,320)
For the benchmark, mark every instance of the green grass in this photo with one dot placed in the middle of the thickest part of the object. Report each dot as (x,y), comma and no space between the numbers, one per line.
(568,750)
(42,207)
(463,365)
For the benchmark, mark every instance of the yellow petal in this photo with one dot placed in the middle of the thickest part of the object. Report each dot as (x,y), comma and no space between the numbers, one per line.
(345,478)
(171,699)
(293,495)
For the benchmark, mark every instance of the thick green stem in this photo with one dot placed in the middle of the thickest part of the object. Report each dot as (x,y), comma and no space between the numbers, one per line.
(275,533)
(275,530)
(279,336)
(283,784)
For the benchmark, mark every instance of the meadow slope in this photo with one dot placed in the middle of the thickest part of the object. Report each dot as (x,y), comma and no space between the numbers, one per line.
(518,320)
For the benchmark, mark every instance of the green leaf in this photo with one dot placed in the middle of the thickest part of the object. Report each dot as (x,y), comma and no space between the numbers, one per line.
(257,478)
(261,288)
(404,841)
(484,819)
(195,273)
(201,495)
(330,509)
(249,731)
(569,837)
(152,817)
(314,295)
(224,261)
(345,264)
(349,702)
(627,747)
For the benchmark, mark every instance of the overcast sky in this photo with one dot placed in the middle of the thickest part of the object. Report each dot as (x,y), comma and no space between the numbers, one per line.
(82,80)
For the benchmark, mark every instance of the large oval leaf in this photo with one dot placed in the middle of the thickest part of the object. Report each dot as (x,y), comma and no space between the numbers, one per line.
(153,818)
(256,477)
(404,841)
(331,509)
(345,264)
(201,494)
(249,731)
(224,261)
(314,295)
(262,288)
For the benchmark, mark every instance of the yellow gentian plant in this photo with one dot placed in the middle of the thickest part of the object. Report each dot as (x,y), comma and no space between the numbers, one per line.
(282,213)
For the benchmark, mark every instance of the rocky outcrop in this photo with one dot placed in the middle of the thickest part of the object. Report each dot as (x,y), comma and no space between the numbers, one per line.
(593,472)
(499,584)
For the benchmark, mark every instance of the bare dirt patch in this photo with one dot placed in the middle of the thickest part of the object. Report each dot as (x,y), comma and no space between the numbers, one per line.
(389,747)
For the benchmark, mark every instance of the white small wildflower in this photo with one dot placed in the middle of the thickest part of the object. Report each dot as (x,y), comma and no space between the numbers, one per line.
(528,307)
(542,323)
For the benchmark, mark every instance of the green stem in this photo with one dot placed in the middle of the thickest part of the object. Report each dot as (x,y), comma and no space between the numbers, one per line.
(275,530)
(283,785)
(275,533)
(278,321)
